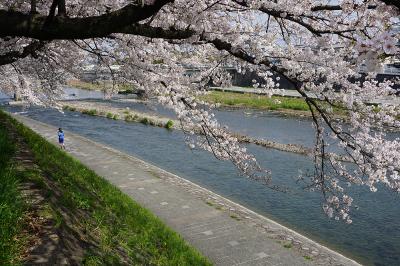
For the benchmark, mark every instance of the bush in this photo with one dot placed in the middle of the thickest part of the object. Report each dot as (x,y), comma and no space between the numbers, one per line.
(109,115)
(127,91)
(90,112)
(128,117)
(115,117)
(145,121)
(69,108)
(169,124)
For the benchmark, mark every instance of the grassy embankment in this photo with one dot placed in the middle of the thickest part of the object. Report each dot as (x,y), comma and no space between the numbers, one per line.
(256,101)
(11,204)
(249,100)
(117,230)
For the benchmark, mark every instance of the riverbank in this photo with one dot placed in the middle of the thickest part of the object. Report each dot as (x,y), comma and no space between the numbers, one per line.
(283,104)
(287,105)
(73,216)
(100,86)
(210,222)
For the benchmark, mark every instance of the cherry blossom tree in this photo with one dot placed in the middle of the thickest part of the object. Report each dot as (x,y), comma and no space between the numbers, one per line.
(314,44)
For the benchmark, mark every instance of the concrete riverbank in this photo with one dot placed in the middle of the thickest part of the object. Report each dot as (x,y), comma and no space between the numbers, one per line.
(227,233)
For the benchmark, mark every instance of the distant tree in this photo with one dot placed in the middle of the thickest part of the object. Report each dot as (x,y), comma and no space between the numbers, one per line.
(315,45)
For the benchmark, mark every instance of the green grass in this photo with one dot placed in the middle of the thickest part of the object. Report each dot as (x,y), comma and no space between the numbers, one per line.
(90,112)
(234,216)
(256,101)
(11,204)
(123,88)
(126,91)
(169,124)
(128,117)
(69,108)
(85,85)
(145,121)
(288,245)
(116,221)
(110,115)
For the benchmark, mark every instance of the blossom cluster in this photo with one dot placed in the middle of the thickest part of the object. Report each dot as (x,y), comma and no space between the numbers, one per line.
(315,45)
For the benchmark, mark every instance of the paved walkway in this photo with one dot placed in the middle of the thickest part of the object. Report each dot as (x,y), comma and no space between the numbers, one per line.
(393,100)
(225,232)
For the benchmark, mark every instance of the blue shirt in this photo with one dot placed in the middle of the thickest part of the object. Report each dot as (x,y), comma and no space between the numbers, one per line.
(61,135)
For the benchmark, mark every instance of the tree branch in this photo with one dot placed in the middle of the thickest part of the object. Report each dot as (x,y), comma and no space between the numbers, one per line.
(52,13)
(395,3)
(334,7)
(13,56)
(62,11)
(23,25)
(33,6)
(297,19)
(157,32)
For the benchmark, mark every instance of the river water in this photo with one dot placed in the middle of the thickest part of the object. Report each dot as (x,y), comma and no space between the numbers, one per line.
(374,236)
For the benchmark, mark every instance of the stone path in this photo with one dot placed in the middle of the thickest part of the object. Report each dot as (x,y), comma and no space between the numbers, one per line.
(225,232)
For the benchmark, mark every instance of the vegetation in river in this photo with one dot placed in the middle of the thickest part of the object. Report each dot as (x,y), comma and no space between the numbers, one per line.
(145,121)
(169,124)
(117,229)
(125,115)
(129,117)
(69,108)
(90,112)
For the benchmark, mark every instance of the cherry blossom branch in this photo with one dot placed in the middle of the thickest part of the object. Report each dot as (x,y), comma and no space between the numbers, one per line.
(34,26)
(33,7)
(29,50)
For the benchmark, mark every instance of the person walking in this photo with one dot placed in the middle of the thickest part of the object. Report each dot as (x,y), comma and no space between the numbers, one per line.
(61,138)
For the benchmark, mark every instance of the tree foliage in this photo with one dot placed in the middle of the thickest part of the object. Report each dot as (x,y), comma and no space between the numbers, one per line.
(318,47)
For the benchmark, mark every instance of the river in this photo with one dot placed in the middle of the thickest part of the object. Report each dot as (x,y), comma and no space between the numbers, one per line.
(374,236)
